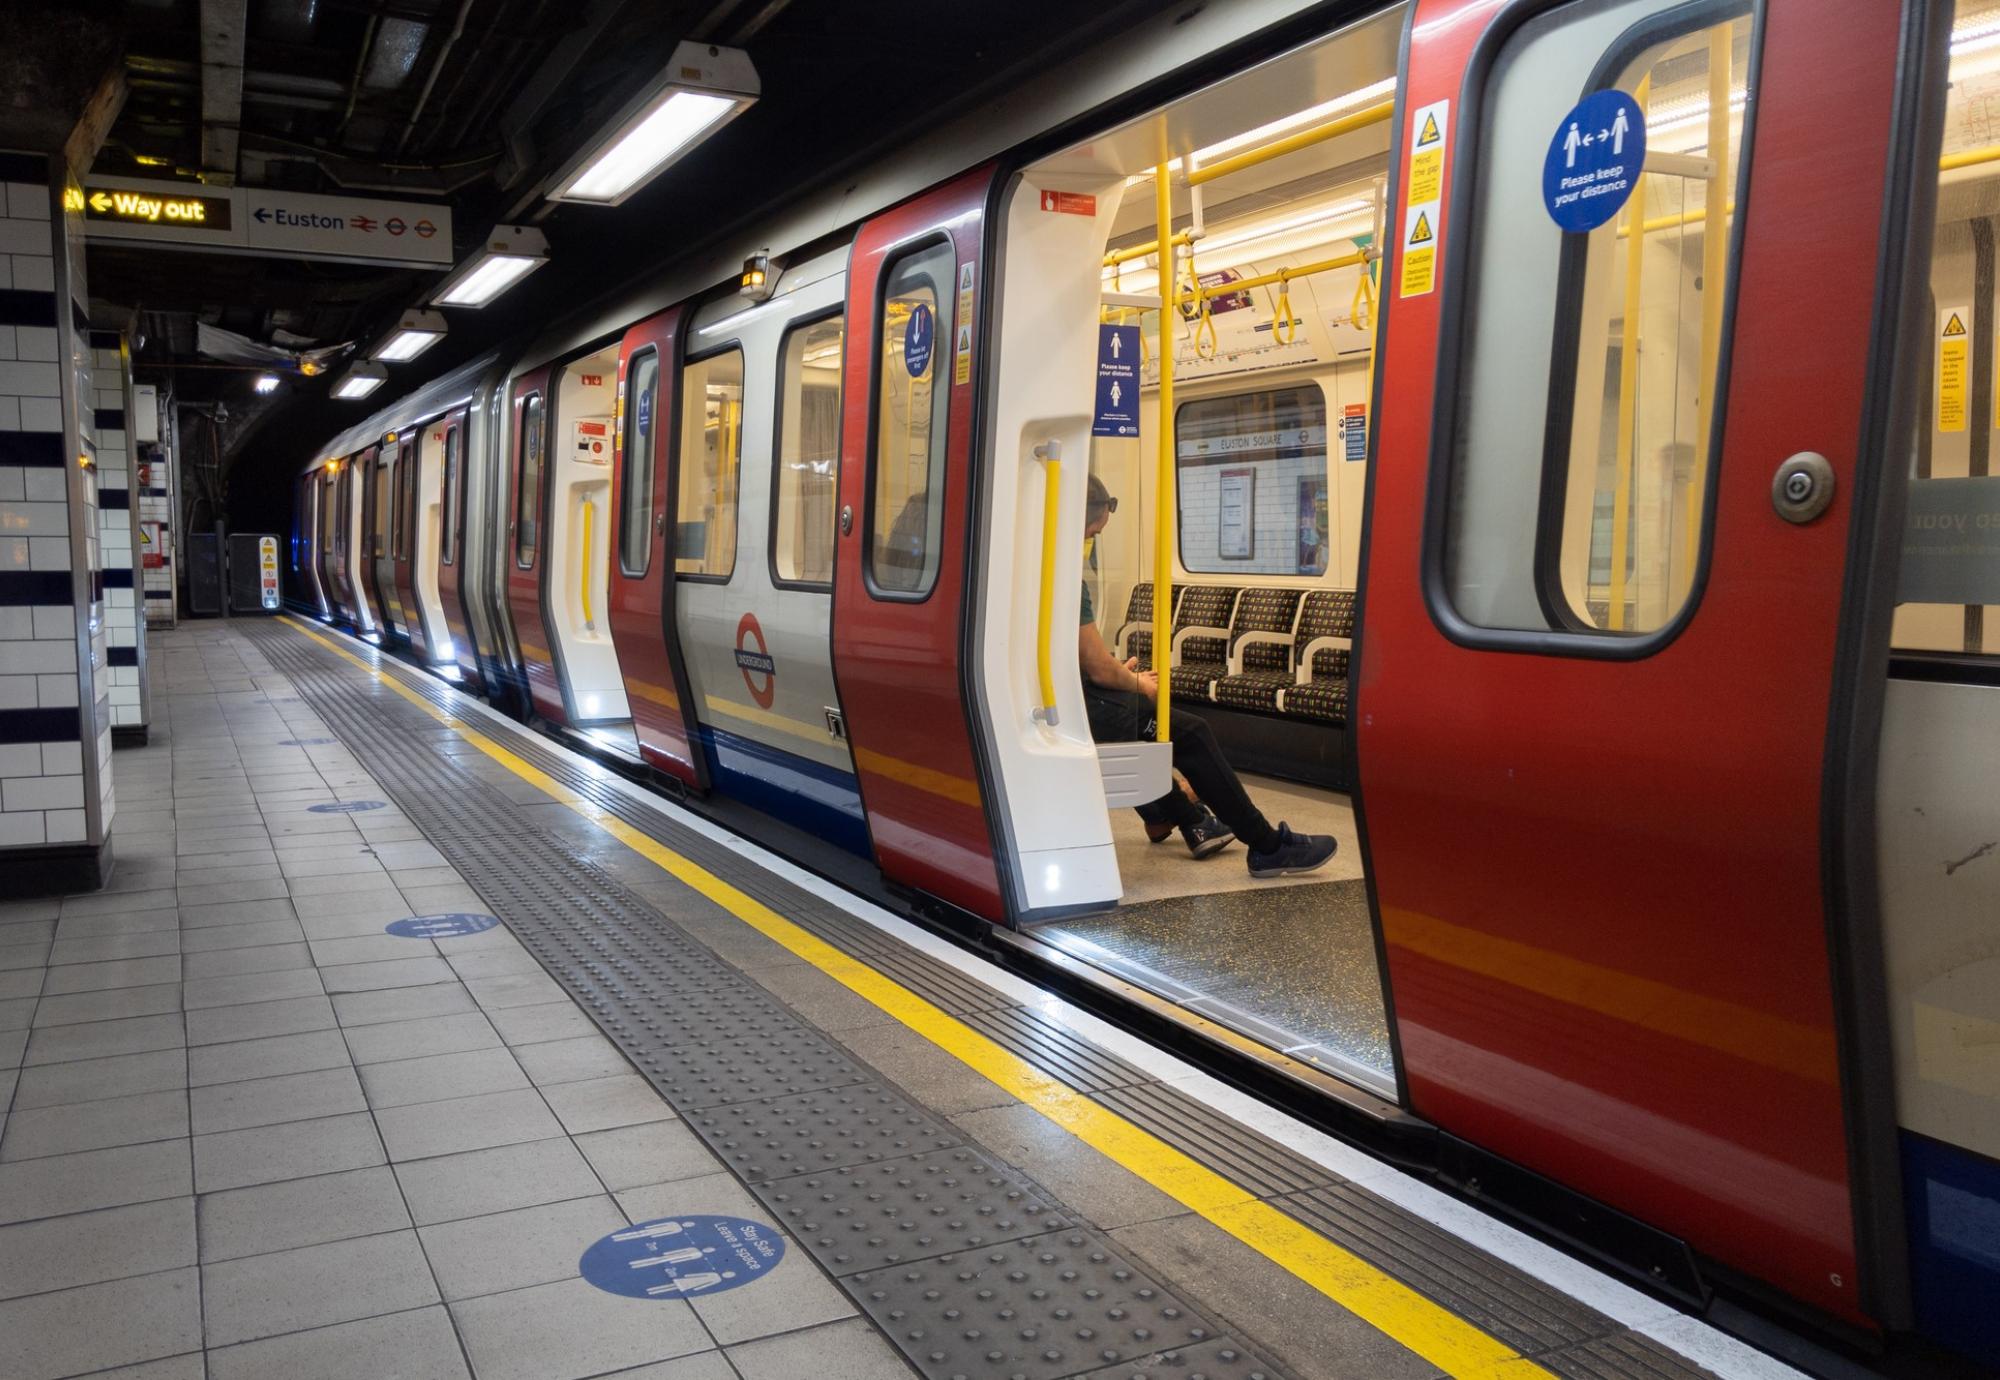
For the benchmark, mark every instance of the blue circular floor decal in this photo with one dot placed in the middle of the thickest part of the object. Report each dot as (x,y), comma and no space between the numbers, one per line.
(305,742)
(447,926)
(345,807)
(680,1257)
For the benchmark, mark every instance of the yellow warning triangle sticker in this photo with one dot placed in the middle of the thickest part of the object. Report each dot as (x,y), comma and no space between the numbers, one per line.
(1429,134)
(1954,326)
(1420,233)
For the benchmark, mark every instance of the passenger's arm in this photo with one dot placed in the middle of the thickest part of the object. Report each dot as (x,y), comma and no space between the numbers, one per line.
(1102,669)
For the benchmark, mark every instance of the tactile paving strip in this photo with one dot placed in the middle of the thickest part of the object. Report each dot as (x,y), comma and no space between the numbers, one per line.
(810,1130)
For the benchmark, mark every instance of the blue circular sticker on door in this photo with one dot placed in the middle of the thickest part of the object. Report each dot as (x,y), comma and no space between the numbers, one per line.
(1594,160)
(345,807)
(680,1257)
(918,338)
(449,925)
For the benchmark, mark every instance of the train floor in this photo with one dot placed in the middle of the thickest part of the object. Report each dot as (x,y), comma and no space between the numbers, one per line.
(407,1043)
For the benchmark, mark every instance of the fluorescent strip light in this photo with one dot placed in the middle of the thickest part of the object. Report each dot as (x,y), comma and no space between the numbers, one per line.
(414,333)
(493,277)
(360,381)
(701,89)
(267,383)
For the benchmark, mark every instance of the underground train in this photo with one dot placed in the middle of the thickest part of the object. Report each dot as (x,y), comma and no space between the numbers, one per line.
(1554,452)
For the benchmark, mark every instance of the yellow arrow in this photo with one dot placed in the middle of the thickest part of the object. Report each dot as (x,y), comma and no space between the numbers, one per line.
(99,202)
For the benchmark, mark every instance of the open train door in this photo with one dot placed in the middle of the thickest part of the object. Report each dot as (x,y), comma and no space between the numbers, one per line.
(642,558)
(900,588)
(526,487)
(1624,593)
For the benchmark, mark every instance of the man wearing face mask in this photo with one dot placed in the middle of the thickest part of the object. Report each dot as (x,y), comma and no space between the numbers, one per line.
(1121,702)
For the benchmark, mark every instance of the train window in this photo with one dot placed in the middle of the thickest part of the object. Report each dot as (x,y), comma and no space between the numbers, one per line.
(906,496)
(1250,478)
(380,500)
(343,495)
(448,537)
(808,453)
(1582,450)
(1948,586)
(528,485)
(711,454)
(406,518)
(635,483)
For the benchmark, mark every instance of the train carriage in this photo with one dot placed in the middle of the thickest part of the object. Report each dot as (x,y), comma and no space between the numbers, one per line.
(1514,410)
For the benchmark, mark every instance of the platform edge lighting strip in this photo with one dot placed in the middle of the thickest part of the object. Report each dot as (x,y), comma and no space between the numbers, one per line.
(1407,1317)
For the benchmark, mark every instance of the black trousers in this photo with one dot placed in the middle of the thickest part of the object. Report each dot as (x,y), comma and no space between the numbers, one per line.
(1124,716)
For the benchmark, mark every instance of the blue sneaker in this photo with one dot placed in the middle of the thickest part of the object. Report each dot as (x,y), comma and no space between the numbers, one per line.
(1293,854)
(1211,835)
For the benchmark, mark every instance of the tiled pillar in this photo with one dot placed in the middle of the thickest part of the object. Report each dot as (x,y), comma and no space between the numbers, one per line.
(118,537)
(152,423)
(56,805)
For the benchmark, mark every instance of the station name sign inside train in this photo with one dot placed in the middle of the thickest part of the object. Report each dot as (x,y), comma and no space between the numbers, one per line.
(251,220)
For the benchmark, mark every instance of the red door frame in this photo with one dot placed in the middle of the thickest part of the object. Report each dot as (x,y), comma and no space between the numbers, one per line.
(642,606)
(339,480)
(373,555)
(524,582)
(1600,880)
(451,514)
(898,664)
(403,544)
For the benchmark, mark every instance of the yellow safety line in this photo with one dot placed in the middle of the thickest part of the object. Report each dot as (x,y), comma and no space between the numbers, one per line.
(1425,1327)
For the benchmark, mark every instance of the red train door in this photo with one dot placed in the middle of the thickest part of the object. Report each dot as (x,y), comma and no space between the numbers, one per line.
(451,543)
(641,592)
(375,500)
(333,538)
(899,575)
(1598,727)
(527,497)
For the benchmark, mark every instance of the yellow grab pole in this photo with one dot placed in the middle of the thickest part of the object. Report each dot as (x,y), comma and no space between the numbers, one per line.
(1266,279)
(1714,270)
(1051,459)
(1163,527)
(1304,139)
(1140,251)
(1628,387)
(588,621)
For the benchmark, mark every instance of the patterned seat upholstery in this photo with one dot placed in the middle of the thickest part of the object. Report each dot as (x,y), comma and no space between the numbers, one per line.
(1202,659)
(1267,666)
(1327,613)
(1135,634)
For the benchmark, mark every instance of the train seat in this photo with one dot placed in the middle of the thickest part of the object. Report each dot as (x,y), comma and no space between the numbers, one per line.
(1200,652)
(1322,651)
(1135,634)
(1261,640)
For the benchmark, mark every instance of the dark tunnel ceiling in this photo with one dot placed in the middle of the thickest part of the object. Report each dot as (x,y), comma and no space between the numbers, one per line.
(374,96)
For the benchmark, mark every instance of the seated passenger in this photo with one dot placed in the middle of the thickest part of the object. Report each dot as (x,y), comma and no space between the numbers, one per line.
(1120,699)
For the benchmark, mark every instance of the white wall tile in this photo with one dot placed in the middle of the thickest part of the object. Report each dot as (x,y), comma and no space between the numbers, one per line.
(40,658)
(54,692)
(45,485)
(41,793)
(13,483)
(17,621)
(22,829)
(27,201)
(40,414)
(62,759)
(32,519)
(21,759)
(55,620)
(24,236)
(17,692)
(10,414)
(35,272)
(48,553)
(36,343)
(25,379)
(14,553)
(67,826)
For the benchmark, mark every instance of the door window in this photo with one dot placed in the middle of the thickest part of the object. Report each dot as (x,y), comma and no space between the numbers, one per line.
(448,538)
(381,498)
(635,483)
(528,486)
(1250,472)
(808,453)
(710,457)
(906,492)
(406,516)
(1581,449)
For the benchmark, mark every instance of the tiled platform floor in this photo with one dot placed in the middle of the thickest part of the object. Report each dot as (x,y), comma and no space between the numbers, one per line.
(246,1134)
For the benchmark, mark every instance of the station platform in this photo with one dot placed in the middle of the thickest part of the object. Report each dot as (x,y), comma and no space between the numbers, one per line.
(408,1043)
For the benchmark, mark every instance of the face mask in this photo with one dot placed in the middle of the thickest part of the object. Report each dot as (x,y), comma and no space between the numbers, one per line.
(1089,548)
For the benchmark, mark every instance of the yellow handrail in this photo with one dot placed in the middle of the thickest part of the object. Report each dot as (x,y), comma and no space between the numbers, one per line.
(1266,279)
(1304,139)
(1628,388)
(1969,158)
(1163,531)
(1050,454)
(588,621)
(1140,251)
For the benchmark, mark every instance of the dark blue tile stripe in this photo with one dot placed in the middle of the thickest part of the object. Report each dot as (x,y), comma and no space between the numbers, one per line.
(24,167)
(35,587)
(35,449)
(122,656)
(104,340)
(26,307)
(117,579)
(114,499)
(110,419)
(40,725)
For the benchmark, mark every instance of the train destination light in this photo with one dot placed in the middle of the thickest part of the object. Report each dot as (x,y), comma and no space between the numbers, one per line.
(415,333)
(702,89)
(360,381)
(511,253)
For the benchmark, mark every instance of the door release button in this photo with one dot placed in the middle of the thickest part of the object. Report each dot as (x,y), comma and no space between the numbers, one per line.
(1802,488)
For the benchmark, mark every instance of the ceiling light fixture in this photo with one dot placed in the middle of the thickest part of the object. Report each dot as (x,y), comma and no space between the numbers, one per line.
(360,381)
(702,89)
(267,383)
(511,253)
(416,332)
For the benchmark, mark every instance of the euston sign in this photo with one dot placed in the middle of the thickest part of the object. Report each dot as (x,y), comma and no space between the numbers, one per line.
(251,220)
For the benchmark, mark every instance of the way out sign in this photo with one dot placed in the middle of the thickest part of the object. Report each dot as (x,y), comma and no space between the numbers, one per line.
(1594,160)
(1117,410)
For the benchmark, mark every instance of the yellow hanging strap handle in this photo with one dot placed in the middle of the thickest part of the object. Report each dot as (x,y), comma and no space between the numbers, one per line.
(1206,342)
(1362,312)
(1283,329)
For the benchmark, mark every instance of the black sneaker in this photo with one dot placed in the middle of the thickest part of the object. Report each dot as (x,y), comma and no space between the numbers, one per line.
(1293,854)
(1211,835)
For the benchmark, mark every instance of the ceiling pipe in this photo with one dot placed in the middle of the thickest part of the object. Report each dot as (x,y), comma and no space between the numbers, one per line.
(354,83)
(424,96)
(223,24)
